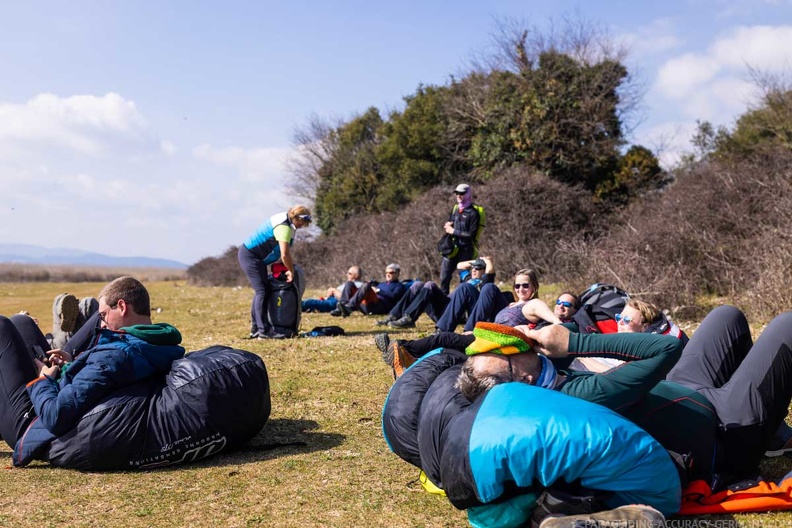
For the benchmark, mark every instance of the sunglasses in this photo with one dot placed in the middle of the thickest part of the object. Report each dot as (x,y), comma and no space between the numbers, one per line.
(565,304)
(625,319)
(524,286)
(305,218)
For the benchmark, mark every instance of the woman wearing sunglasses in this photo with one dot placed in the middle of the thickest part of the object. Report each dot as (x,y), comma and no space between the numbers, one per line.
(643,317)
(270,243)
(528,309)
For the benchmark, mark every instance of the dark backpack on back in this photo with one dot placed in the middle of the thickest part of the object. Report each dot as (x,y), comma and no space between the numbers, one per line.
(599,304)
(284,308)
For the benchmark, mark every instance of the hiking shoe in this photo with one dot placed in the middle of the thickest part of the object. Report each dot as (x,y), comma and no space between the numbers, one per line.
(781,445)
(87,307)
(340,310)
(384,322)
(64,312)
(403,322)
(382,341)
(623,516)
(270,335)
(400,358)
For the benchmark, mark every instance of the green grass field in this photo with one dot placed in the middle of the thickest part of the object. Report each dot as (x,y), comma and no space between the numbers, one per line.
(326,392)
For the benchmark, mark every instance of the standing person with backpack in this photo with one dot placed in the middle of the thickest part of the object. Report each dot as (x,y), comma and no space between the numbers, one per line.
(464,225)
(270,243)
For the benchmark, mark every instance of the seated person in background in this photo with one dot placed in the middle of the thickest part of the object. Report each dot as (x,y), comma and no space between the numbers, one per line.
(129,348)
(372,297)
(329,302)
(565,306)
(493,305)
(430,298)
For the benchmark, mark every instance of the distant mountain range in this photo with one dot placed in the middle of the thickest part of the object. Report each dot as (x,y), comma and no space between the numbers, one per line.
(29,254)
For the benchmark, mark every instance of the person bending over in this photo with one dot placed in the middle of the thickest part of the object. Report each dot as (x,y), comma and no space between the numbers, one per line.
(270,243)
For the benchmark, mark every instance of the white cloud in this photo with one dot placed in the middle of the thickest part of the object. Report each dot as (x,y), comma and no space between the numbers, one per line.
(679,77)
(87,124)
(762,47)
(714,85)
(659,36)
(261,165)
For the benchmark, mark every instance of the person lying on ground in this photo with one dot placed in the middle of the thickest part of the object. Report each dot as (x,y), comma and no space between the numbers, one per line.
(494,305)
(496,455)
(565,306)
(636,316)
(330,300)
(402,353)
(429,298)
(641,316)
(721,401)
(42,400)
(372,297)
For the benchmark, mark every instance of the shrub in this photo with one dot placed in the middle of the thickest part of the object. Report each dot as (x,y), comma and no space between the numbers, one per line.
(723,229)
(217,271)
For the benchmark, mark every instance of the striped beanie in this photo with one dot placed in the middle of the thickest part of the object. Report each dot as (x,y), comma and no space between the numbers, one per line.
(498,339)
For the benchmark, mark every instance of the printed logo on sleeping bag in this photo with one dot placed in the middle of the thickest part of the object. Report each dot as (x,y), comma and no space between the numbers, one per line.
(189,452)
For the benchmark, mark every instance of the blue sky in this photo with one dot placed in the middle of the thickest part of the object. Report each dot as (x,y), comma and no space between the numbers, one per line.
(161,128)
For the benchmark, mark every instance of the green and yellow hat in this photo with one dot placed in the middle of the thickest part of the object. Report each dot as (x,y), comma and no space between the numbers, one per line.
(498,339)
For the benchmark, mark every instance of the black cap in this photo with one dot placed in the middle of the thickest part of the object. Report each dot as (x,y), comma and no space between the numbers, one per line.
(478,264)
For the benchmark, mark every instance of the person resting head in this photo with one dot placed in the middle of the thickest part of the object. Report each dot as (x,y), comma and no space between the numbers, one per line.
(565,306)
(501,354)
(637,316)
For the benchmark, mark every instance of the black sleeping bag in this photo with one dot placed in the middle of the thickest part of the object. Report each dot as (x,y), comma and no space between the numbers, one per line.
(210,400)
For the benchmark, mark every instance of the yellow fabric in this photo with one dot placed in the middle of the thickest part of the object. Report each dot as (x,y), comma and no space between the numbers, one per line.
(429,487)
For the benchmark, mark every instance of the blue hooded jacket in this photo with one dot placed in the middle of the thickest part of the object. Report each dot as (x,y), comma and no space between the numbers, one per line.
(117,360)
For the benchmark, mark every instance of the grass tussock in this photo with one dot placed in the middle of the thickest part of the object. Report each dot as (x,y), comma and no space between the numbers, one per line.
(327,396)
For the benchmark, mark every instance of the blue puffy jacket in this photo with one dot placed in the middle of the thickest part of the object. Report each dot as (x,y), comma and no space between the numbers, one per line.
(117,360)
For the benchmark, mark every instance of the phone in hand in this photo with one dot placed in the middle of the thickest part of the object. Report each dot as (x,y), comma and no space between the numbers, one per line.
(40,354)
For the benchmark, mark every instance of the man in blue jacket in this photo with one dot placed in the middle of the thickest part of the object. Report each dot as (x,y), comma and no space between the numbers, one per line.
(41,401)
(372,297)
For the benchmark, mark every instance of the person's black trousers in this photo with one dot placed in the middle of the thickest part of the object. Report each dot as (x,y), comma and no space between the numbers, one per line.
(750,385)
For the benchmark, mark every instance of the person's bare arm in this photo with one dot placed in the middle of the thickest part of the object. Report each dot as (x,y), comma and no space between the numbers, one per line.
(490,266)
(536,309)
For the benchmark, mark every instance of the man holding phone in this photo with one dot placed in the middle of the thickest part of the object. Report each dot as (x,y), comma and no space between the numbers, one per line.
(41,400)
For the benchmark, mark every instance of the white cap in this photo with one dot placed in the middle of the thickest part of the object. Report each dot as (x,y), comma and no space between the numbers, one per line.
(462,188)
